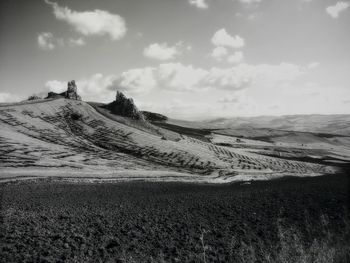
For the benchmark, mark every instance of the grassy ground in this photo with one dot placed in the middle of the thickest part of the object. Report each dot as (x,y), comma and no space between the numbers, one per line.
(289,220)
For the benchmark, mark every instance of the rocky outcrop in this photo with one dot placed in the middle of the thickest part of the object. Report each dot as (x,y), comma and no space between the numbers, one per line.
(71,93)
(152,116)
(54,95)
(125,107)
(34,97)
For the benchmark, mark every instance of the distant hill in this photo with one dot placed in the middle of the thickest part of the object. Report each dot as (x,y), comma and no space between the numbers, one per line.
(331,124)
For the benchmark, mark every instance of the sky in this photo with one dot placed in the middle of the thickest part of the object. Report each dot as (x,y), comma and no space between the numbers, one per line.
(187,59)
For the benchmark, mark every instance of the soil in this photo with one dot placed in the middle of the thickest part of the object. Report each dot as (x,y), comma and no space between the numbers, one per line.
(59,221)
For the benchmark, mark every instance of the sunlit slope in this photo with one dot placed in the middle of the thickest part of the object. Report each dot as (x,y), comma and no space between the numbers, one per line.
(70,138)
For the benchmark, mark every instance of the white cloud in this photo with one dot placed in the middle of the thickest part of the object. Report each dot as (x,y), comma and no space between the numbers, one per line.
(8,97)
(199,3)
(137,80)
(171,76)
(179,77)
(228,99)
(76,42)
(183,81)
(46,41)
(222,38)
(219,52)
(56,86)
(95,88)
(161,51)
(250,1)
(336,9)
(236,58)
(96,22)
(243,88)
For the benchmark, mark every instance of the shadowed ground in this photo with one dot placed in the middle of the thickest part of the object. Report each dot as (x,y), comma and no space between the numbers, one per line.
(283,220)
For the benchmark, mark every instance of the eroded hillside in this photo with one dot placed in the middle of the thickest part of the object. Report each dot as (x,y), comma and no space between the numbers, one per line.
(69,138)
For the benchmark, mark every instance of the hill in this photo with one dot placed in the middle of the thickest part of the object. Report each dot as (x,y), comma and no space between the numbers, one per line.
(74,139)
(331,124)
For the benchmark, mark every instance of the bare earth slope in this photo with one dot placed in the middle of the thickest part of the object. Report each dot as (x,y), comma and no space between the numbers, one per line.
(71,139)
(333,124)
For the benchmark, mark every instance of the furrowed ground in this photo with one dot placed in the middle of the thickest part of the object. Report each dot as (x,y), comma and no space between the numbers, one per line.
(67,138)
(287,220)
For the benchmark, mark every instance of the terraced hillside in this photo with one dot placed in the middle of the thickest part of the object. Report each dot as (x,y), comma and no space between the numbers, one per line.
(69,138)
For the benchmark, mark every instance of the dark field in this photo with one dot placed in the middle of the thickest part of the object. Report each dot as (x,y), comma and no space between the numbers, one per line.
(287,220)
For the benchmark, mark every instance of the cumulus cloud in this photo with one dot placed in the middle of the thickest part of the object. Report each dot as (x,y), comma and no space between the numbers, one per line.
(170,76)
(46,41)
(8,97)
(56,86)
(179,77)
(137,80)
(335,10)
(199,3)
(161,51)
(219,52)
(96,22)
(76,42)
(94,88)
(236,57)
(222,38)
(250,1)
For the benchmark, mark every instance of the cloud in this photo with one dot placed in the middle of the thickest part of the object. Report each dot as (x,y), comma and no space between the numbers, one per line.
(96,22)
(219,52)
(180,78)
(46,41)
(230,99)
(171,76)
(336,9)
(56,86)
(236,58)
(9,97)
(236,102)
(240,89)
(250,1)
(183,81)
(76,42)
(222,38)
(161,51)
(199,3)
(136,80)
(94,88)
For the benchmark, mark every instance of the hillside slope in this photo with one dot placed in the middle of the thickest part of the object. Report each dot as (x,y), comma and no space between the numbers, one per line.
(70,138)
(332,124)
